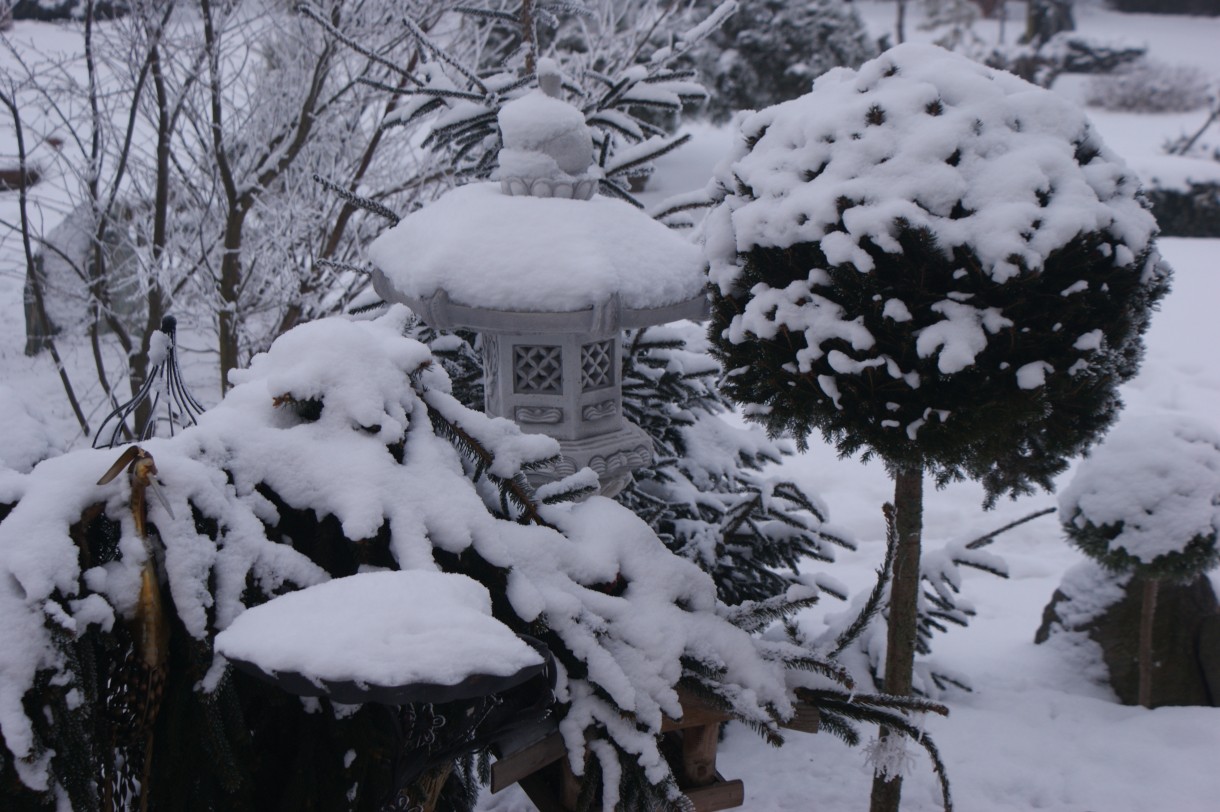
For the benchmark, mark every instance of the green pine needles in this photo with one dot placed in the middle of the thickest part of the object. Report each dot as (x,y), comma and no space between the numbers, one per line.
(893,399)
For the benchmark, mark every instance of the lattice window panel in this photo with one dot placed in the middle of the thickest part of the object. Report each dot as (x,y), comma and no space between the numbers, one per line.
(597,365)
(537,370)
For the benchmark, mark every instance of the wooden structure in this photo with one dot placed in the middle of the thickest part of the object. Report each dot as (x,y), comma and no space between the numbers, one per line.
(537,760)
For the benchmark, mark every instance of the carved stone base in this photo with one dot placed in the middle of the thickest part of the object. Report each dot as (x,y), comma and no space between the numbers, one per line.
(612,456)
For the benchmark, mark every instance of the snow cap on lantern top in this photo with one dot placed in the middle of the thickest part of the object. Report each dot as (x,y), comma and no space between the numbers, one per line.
(927,138)
(484,249)
(547,145)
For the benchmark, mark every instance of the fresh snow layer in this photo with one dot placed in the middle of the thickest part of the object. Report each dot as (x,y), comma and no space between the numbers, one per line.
(922,136)
(1156,479)
(487,249)
(538,125)
(387,629)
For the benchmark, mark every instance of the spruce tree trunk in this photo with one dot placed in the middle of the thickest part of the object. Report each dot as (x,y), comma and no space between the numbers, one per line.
(1147,615)
(903,615)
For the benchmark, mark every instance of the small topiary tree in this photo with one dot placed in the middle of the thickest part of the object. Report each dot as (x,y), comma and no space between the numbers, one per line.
(937,263)
(1147,502)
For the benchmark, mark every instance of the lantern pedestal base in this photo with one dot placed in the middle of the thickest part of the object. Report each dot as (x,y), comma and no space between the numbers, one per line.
(613,456)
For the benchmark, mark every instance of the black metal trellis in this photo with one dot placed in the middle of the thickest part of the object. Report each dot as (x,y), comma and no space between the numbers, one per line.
(164,379)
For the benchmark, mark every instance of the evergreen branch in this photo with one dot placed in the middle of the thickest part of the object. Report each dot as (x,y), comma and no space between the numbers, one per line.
(875,709)
(752,616)
(653,104)
(670,76)
(365,203)
(617,191)
(343,266)
(835,725)
(441,93)
(875,598)
(368,308)
(607,100)
(634,163)
(451,131)
(984,540)
(515,489)
(681,207)
(978,565)
(597,121)
(827,668)
(420,112)
(944,682)
(431,47)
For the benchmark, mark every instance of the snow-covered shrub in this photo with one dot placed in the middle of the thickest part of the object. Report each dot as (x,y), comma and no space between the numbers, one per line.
(1151,86)
(1210,7)
(1147,502)
(1148,499)
(937,263)
(1066,52)
(339,450)
(48,10)
(933,261)
(706,494)
(771,51)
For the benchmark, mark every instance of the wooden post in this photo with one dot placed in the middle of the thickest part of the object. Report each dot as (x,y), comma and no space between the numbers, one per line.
(699,755)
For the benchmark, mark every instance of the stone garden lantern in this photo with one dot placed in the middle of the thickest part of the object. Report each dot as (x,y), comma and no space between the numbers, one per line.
(549,274)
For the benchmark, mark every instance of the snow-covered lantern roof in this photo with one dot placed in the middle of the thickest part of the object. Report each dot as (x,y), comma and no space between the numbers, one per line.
(550,275)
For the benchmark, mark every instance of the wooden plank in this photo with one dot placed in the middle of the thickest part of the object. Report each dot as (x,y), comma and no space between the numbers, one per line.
(514,767)
(806,719)
(538,788)
(721,795)
(695,713)
(569,786)
(699,755)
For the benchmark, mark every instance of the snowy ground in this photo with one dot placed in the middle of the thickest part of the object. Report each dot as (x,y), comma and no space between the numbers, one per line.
(1037,733)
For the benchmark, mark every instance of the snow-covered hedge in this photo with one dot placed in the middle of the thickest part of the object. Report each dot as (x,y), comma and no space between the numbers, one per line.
(333,454)
(1148,499)
(933,260)
(1149,86)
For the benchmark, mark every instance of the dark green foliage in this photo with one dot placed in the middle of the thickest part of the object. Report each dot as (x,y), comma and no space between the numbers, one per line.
(1207,7)
(838,710)
(771,51)
(1198,555)
(1190,212)
(50,10)
(1007,437)
(711,504)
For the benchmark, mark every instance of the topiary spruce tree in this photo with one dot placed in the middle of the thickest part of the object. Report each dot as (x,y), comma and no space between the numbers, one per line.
(1148,502)
(936,263)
